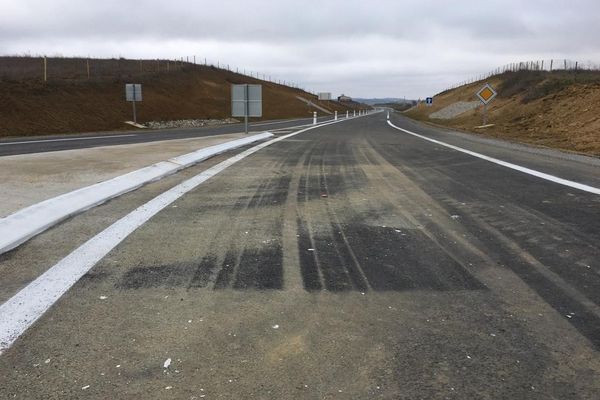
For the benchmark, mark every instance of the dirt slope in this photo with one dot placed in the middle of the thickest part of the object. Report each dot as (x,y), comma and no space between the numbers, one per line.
(559,109)
(32,107)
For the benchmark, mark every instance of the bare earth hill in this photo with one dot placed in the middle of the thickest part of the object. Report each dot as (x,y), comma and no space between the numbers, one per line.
(69,102)
(559,109)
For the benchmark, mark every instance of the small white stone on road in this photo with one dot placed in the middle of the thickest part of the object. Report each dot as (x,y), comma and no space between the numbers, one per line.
(167,363)
(103,297)
(85,387)
(275,326)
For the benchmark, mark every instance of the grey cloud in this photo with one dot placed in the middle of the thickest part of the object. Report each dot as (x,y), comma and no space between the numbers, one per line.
(401,46)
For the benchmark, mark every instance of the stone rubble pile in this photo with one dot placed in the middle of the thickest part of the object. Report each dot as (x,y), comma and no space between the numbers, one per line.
(189,123)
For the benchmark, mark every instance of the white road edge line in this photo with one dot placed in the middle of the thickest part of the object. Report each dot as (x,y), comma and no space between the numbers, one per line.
(19,312)
(66,139)
(529,171)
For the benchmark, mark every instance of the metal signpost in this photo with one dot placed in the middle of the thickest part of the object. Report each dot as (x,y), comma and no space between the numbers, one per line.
(133,93)
(429,101)
(486,94)
(246,101)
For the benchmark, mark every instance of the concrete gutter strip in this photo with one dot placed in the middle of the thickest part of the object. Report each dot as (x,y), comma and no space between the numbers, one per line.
(24,224)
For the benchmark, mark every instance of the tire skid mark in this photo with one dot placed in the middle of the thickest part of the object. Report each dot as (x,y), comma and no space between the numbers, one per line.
(425,266)
(311,276)
(340,240)
(311,273)
(537,234)
(295,241)
(222,270)
(328,260)
(490,226)
(261,266)
(226,265)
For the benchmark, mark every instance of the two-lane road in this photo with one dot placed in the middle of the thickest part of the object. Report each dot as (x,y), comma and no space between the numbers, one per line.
(41,144)
(350,261)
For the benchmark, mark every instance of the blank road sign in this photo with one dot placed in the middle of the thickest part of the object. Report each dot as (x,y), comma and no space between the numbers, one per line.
(133,92)
(246,94)
(486,93)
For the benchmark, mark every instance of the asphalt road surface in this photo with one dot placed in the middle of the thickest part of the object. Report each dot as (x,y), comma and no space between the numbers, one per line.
(352,261)
(39,144)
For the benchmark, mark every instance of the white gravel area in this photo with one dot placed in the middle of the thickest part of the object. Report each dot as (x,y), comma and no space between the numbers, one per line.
(189,123)
(454,109)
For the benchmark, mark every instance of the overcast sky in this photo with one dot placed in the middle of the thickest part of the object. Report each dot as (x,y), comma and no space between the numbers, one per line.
(385,48)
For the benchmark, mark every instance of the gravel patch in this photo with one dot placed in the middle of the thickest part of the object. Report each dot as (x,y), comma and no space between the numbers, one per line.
(454,109)
(189,123)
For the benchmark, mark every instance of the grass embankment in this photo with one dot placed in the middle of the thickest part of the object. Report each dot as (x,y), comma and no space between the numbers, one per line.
(72,103)
(559,109)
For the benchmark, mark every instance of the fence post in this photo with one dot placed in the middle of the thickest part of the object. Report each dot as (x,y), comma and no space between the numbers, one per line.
(45,69)
(551,62)
(576,62)
(565,64)
(87,64)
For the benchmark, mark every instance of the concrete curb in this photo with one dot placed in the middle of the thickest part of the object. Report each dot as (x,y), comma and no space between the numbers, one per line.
(28,222)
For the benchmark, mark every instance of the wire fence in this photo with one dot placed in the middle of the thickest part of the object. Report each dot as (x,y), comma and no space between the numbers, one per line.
(19,68)
(540,65)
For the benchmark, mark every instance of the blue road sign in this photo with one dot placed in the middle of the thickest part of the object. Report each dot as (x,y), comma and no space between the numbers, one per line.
(429,100)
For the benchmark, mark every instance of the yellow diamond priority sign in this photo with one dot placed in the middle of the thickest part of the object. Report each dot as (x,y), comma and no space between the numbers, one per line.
(486,93)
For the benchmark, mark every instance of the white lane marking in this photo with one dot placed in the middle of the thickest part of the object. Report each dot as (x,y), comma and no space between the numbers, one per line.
(19,312)
(533,172)
(66,139)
